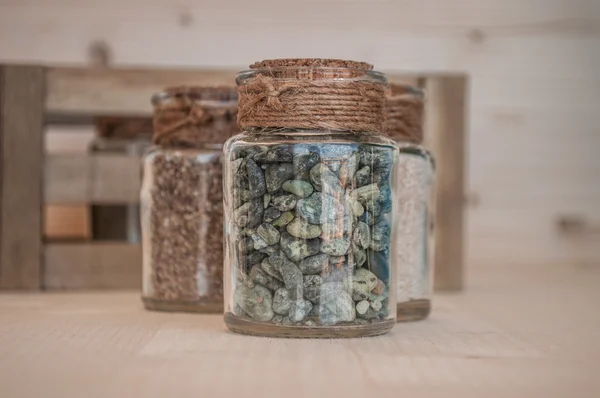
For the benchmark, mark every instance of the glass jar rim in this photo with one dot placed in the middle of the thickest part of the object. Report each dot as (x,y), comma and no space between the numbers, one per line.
(285,73)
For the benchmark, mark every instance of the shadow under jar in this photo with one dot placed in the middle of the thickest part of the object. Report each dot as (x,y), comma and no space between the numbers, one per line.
(182,199)
(404,124)
(309,196)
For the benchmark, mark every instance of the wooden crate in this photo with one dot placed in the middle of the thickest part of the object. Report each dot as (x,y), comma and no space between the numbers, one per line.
(32,96)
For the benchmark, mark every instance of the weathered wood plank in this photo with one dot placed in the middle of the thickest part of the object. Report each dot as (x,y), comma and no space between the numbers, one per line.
(88,91)
(101,179)
(22,90)
(445,135)
(80,92)
(92,266)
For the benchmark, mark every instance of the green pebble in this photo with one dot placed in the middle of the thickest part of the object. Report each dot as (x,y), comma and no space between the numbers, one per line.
(298,187)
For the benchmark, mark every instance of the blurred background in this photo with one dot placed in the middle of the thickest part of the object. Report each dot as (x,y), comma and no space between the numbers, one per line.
(533,170)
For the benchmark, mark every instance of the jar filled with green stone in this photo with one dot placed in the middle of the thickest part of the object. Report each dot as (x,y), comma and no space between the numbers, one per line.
(404,124)
(309,196)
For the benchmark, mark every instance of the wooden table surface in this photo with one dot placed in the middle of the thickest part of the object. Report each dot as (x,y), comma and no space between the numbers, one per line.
(514,332)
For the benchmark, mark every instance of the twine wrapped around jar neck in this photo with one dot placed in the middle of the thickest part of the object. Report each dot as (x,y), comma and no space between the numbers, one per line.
(193,116)
(404,113)
(123,128)
(317,94)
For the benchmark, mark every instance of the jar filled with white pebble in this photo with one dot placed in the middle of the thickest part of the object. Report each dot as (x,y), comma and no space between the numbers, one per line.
(404,124)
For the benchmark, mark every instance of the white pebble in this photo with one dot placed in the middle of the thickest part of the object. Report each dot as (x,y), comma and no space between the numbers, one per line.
(363,306)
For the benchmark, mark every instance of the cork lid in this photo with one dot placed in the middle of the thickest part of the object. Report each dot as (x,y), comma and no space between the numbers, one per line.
(313,69)
(191,115)
(404,110)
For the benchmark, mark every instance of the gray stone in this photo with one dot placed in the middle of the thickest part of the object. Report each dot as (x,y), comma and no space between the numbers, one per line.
(314,264)
(303,164)
(370,313)
(270,249)
(300,228)
(315,175)
(362,307)
(363,177)
(363,282)
(337,261)
(362,235)
(380,239)
(255,301)
(300,310)
(282,301)
(335,304)
(250,150)
(284,219)
(277,319)
(292,278)
(275,155)
(272,267)
(355,206)
(376,305)
(348,170)
(269,233)
(256,180)
(278,173)
(336,218)
(266,200)
(335,247)
(259,242)
(310,323)
(330,183)
(249,214)
(376,158)
(284,202)
(245,244)
(367,193)
(374,208)
(311,208)
(252,259)
(298,187)
(312,287)
(271,214)
(297,249)
(368,218)
(286,321)
(260,277)
(360,257)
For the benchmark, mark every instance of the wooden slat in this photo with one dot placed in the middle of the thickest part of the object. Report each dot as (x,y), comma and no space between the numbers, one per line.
(77,92)
(86,91)
(92,266)
(22,91)
(445,135)
(102,179)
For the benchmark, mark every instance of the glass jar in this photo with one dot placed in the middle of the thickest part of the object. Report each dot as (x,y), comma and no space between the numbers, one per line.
(404,124)
(182,199)
(309,197)
(127,136)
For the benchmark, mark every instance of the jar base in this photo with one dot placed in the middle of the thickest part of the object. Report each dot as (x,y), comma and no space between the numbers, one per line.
(252,328)
(413,310)
(199,306)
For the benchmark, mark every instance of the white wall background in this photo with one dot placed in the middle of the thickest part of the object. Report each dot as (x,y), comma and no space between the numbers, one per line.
(535,90)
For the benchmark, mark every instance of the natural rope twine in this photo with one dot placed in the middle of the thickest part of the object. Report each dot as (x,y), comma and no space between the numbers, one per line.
(404,114)
(189,116)
(292,98)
